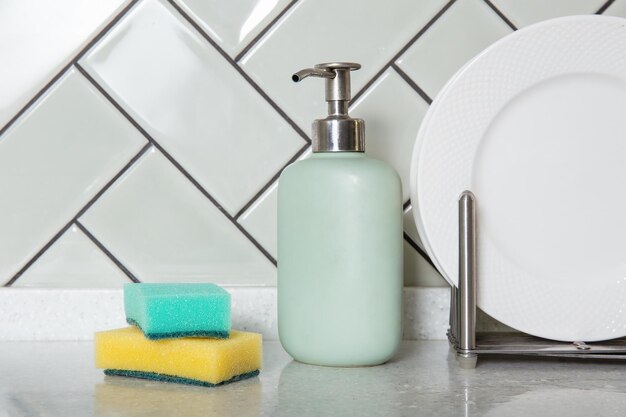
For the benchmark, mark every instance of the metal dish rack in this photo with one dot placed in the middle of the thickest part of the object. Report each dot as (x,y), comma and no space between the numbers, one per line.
(462,332)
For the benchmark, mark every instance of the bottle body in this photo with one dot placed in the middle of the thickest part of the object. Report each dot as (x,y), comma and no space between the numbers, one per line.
(340,260)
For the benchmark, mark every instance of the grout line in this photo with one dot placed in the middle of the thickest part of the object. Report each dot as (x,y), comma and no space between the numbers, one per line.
(100,246)
(271,182)
(108,185)
(106,30)
(500,14)
(174,162)
(115,104)
(432,21)
(256,243)
(419,250)
(266,29)
(82,211)
(33,100)
(241,72)
(74,60)
(32,260)
(357,96)
(412,83)
(605,6)
(151,140)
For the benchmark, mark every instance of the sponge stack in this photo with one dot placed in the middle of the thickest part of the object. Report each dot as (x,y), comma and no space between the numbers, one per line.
(169,340)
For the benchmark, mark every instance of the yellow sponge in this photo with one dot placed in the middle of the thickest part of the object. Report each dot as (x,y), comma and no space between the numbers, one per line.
(198,361)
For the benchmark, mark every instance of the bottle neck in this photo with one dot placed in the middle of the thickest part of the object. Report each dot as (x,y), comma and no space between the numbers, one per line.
(338,108)
(338,134)
(326,155)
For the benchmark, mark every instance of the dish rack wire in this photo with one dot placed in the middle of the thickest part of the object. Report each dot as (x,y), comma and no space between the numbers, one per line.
(462,332)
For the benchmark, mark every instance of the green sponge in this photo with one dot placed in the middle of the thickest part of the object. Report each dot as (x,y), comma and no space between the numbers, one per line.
(164,311)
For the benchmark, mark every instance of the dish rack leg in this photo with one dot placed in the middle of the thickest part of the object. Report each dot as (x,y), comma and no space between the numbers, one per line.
(466,354)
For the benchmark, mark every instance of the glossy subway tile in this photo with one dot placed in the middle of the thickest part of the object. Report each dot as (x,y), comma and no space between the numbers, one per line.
(53,161)
(73,261)
(74,222)
(465,29)
(193,102)
(260,219)
(28,62)
(525,12)
(162,228)
(233,25)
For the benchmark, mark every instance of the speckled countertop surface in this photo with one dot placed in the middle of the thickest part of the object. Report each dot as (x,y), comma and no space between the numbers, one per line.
(58,379)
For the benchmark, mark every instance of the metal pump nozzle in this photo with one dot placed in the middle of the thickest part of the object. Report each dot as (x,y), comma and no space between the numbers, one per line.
(338,132)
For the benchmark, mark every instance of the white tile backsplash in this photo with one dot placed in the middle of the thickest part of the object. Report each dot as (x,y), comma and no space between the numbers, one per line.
(157,224)
(526,12)
(37,39)
(233,24)
(190,100)
(73,261)
(261,220)
(53,161)
(207,86)
(468,27)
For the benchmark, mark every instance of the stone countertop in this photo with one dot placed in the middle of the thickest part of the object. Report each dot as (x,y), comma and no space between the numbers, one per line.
(59,379)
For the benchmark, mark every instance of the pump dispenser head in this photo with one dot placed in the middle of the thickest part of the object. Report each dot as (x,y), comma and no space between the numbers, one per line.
(338,132)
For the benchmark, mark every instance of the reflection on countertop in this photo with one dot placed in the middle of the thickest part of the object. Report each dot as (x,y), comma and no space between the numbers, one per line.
(58,379)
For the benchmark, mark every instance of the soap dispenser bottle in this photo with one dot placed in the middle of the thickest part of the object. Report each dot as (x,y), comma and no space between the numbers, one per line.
(339,242)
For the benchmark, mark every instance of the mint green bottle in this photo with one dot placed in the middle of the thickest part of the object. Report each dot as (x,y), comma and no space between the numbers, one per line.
(339,242)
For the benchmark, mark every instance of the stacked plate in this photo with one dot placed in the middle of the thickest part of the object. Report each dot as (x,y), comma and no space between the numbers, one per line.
(535,127)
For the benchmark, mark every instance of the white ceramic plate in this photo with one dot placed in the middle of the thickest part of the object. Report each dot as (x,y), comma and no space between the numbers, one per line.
(535,126)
